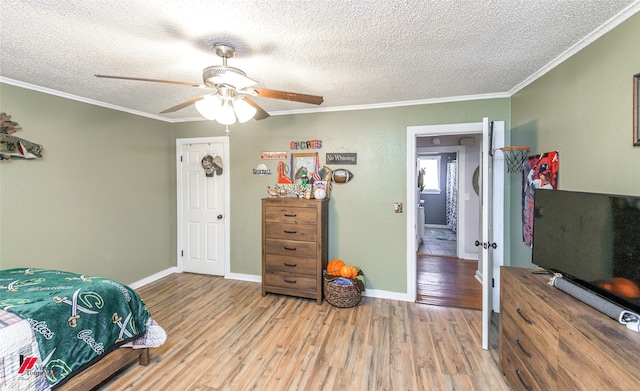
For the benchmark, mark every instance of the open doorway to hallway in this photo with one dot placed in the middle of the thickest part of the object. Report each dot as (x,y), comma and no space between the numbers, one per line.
(446,259)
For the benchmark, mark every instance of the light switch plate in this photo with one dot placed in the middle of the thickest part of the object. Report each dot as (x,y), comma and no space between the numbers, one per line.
(397,207)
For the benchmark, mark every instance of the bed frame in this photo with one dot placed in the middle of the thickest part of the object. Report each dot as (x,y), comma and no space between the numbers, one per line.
(103,369)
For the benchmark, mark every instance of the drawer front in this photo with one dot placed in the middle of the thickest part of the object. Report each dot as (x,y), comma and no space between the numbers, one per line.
(290,214)
(530,314)
(517,374)
(581,366)
(292,265)
(537,352)
(304,232)
(297,283)
(290,248)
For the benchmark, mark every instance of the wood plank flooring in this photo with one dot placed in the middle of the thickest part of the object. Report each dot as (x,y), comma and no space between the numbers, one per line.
(223,335)
(448,281)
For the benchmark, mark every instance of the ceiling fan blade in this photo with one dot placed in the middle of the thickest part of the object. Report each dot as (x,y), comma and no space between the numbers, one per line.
(182,105)
(260,114)
(292,96)
(183,83)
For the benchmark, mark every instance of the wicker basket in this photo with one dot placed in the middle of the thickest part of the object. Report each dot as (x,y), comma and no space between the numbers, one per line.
(342,296)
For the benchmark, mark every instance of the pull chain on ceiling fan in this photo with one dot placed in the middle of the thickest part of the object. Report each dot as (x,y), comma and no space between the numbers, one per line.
(231,97)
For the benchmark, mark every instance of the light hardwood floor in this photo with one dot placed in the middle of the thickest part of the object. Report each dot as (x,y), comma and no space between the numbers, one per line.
(223,335)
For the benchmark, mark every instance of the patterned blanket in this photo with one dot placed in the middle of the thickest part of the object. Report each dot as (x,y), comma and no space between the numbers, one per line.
(77,319)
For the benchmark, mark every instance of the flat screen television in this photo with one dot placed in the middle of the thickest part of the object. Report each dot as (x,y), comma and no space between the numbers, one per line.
(591,239)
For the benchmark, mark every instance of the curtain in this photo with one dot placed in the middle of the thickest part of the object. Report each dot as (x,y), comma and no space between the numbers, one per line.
(452,195)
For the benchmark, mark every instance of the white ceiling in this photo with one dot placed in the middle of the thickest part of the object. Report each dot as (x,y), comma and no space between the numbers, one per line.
(356,54)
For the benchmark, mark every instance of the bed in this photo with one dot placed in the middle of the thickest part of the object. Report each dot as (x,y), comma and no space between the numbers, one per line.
(66,331)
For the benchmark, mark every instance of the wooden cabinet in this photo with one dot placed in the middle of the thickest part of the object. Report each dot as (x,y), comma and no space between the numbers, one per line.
(552,341)
(294,246)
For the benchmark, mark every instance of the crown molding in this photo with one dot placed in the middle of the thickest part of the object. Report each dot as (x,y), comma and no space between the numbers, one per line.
(607,26)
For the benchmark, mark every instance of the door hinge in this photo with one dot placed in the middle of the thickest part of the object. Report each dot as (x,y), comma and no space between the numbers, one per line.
(493,283)
(180,158)
(182,253)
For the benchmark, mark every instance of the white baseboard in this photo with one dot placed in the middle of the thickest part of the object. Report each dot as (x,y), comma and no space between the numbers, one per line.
(376,293)
(244,277)
(154,277)
(469,256)
(379,294)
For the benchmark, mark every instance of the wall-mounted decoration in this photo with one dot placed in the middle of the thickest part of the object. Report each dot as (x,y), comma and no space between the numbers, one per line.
(341,176)
(350,158)
(311,144)
(283,174)
(636,110)
(261,169)
(212,165)
(273,155)
(538,172)
(304,166)
(475,181)
(12,146)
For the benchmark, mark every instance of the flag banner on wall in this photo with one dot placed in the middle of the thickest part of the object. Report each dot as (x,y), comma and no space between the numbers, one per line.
(538,172)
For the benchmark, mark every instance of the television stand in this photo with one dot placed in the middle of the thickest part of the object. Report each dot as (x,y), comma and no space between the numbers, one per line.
(550,340)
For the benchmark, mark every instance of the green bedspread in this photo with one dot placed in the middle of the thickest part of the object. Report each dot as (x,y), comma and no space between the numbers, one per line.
(77,319)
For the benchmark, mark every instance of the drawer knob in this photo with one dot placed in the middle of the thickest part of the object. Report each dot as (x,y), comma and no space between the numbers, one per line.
(291,248)
(291,264)
(519,342)
(290,215)
(290,281)
(524,317)
(526,386)
(290,232)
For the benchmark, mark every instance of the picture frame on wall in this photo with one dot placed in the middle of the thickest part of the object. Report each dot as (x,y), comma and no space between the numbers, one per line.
(636,110)
(307,160)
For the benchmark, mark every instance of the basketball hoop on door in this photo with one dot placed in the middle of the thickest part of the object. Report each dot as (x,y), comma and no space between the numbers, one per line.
(514,156)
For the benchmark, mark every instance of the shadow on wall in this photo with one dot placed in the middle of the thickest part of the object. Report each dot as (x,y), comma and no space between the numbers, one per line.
(520,254)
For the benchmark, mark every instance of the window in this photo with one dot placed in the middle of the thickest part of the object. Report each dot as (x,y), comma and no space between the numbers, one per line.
(431,177)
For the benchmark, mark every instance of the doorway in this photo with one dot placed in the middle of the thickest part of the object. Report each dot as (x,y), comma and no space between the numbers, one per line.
(202,173)
(497,216)
(446,263)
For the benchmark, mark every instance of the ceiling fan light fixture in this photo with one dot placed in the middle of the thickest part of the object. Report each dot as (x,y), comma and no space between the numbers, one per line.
(226,115)
(209,107)
(244,111)
(220,74)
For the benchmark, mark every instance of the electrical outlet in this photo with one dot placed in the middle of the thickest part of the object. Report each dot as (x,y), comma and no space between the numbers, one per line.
(397,207)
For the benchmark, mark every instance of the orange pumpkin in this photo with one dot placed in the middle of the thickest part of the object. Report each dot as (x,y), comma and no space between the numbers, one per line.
(348,271)
(333,268)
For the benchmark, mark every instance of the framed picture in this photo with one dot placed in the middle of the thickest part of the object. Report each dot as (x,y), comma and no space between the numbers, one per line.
(636,109)
(307,160)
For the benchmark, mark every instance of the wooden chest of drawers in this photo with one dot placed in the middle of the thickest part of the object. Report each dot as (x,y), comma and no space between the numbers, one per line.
(294,246)
(552,341)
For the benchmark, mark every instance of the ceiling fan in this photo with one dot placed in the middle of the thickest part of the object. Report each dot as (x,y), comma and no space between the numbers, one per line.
(232,93)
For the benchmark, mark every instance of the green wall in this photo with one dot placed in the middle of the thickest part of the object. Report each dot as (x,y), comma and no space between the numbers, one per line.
(583,109)
(363,228)
(100,201)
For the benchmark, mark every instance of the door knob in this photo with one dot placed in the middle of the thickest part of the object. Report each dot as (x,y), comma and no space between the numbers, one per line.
(219,217)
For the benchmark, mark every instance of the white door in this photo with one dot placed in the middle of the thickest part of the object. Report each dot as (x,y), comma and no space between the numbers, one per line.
(487,219)
(203,210)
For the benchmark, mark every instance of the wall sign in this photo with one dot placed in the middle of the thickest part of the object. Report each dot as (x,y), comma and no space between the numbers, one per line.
(261,169)
(273,155)
(311,144)
(342,158)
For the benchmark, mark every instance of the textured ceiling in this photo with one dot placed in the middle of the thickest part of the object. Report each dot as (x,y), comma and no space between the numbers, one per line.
(354,53)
